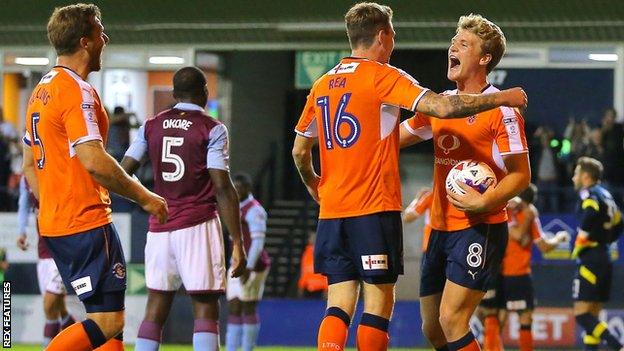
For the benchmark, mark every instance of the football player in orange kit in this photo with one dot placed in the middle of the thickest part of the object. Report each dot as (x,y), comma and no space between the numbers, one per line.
(69,172)
(514,291)
(419,207)
(469,233)
(353,111)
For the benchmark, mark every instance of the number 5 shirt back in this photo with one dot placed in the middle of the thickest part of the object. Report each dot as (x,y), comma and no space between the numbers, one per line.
(183,143)
(65,111)
(354,111)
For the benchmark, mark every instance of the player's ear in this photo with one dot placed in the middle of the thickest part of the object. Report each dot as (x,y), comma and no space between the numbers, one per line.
(485,59)
(84,41)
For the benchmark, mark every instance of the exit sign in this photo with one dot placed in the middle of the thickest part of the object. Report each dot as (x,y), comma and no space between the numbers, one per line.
(311,65)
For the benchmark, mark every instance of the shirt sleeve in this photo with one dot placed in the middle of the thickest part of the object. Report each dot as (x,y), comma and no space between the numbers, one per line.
(396,87)
(536,229)
(138,148)
(218,155)
(27,140)
(23,207)
(590,208)
(306,126)
(424,203)
(419,125)
(80,115)
(509,132)
(256,219)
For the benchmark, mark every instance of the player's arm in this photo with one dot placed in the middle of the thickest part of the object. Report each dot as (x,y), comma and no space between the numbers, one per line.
(462,105)
(28,168)
(521,232)
(135,153)
(256,220)
(407,138)
(23,212)
(217,162)
(302,155)
(517,179)
(590,209)
(228,205)
(106,171)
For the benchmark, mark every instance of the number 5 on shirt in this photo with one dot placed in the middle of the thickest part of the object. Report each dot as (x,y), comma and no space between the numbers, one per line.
(36,140)
(332,132)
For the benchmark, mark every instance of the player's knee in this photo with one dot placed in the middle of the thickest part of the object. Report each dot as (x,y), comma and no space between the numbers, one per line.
(448,320)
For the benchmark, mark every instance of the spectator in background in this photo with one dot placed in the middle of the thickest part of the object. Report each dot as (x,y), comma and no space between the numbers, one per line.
(595,148)
(7,131)
(119,132)
(578,135)
(613,144)
(310,285)
(546,174)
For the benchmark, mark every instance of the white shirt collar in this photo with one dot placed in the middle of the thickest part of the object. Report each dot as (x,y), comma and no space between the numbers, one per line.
(187,106)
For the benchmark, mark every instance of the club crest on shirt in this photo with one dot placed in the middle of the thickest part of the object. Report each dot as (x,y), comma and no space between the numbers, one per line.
(119,270)
(470,120)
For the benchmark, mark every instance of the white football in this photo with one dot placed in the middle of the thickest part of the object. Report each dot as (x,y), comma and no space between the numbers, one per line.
(476,174)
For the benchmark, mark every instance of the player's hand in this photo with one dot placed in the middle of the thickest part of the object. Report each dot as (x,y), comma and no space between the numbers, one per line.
(562,237)
(245,276)
(470,202)
(239,261)
(313,188)
(156,206)
(22,242)
(515,97)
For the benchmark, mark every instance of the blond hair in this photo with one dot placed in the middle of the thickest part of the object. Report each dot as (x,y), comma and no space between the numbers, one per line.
(494,42)
(364,20)
(68,24)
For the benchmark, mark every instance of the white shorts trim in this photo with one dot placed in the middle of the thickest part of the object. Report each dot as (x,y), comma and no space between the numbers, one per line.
(252,290)
(49,277)
(191,256)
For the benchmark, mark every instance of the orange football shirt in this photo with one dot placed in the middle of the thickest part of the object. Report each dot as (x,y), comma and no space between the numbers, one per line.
(517,259)
(354,111)
(485,137)
(64,111)
(422,207)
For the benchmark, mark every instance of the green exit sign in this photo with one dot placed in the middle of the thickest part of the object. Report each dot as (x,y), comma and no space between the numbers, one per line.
(311,65)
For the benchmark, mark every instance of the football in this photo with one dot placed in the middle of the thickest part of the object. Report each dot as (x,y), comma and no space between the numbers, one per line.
(473,173)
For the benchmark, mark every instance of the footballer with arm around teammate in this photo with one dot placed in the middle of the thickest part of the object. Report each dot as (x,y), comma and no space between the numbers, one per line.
(469,233)
(190,161)
(353,112)
(70,172)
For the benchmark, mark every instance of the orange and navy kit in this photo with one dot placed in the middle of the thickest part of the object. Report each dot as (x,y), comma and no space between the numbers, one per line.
(354,111)
(71,201)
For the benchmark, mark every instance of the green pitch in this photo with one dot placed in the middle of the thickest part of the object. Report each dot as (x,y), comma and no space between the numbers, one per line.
(190,348)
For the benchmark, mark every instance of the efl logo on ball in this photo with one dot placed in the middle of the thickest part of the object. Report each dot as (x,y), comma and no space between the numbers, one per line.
(476,174)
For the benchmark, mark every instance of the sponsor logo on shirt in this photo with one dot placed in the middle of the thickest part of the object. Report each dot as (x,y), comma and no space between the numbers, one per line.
(448,143)
(82,285)
(370,262)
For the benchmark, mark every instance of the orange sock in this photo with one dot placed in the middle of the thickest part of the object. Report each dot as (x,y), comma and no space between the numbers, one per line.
(526,338)
(112,345)
(333,331)
(491,334)
(372,333)
(371,339)
(73,338)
